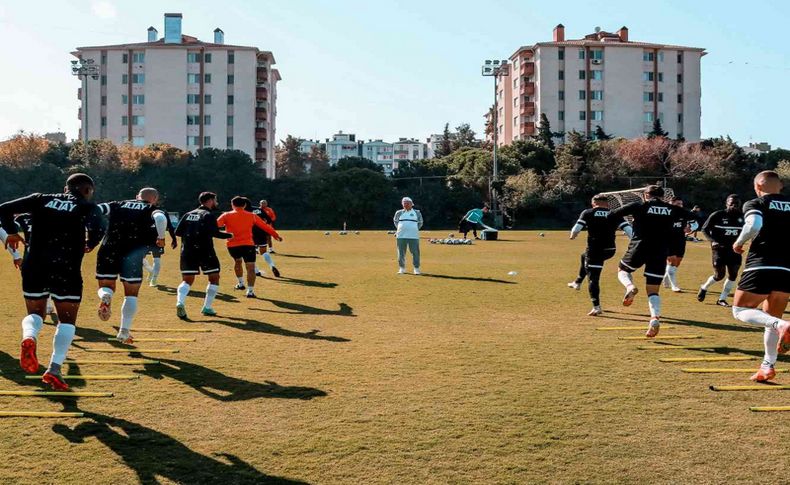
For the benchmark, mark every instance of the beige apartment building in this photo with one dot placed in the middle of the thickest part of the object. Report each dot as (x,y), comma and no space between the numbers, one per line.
(603,79)
(182,91)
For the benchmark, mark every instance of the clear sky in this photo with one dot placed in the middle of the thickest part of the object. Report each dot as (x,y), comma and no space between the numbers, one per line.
(389,69)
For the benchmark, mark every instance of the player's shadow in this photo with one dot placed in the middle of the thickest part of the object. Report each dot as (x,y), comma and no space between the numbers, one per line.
(250,325)
(90,335)
(309,283)
(154,455)
(298,256)
(199,294)
(468,278)
(685,322)
(298,309)
(12,372)
(221,387)
(726,350)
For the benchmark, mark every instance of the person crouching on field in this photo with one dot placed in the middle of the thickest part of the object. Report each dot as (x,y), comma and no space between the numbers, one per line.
(408,222)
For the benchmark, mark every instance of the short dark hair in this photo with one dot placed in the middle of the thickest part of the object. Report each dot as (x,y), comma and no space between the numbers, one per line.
(600,198)
(655,191)
(77,181)
(238,201)
(206,196)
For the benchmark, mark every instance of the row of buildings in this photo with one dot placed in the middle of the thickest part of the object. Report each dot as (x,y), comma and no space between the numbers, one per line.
(602,79)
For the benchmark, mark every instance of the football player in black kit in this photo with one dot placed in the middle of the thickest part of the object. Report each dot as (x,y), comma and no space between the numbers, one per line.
(761,297)
(722,230)
(129,238)
(686,223)
(67,226)
(197,230)
(262,239)
(600,246)
(653,225)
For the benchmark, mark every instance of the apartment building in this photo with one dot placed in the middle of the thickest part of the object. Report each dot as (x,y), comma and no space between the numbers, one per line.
(179,90)
(342,145)
(602,79)
(409,149)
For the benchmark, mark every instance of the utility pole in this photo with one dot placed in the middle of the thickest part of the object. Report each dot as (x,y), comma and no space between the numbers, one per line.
(83,69)
(495,68)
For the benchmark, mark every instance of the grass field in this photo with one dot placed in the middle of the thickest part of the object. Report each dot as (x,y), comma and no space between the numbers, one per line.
(344,372)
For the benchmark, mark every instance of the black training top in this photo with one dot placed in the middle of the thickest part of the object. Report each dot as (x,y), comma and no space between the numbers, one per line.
(131,223)
(601,229)
(769,249)
(723,227)
(653,222)
(197,228)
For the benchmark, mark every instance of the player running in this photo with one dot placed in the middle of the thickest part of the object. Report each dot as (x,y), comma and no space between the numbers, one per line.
(653,225)
(722,230)
(601,246)
(262,239)
(67,225)
(129,238)
(197,230)
(24,223)
(241,246)
(156,254)
(686,223)
(766,278)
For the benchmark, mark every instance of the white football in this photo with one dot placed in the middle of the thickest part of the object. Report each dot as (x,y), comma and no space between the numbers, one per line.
(512,273)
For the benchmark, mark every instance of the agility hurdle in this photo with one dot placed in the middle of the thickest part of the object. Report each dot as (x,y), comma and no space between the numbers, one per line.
(136,351)
(728,358)
(668,337)
(709,370)
(112,362)
(113,339)
(97,377)
(39,414)
(642,327)
(184,330)
(763,387)
(55,394)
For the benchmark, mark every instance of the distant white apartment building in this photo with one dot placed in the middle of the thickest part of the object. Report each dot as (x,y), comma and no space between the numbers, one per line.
(434,143)
(307,146)
(342,145)
(182,91)
(380,152)
(407,149)
(603,79)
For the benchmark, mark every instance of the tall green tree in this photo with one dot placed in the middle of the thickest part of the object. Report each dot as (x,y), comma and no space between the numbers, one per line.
(657,130)
(600,134)
(446,145)
(289,160)
(465,137)
(318,159)
(545,135)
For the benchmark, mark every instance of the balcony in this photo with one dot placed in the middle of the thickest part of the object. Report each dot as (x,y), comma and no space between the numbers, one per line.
(260,135)
(527,89)
(260,154)
(260,113)
(527,69)
(527,128)
(528,109)
(79,113)
(79,93)
(261,93)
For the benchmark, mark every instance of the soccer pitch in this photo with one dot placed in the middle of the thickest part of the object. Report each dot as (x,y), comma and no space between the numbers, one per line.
(344,372)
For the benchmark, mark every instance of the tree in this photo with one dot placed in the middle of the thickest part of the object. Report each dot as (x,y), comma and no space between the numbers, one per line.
(318,159)
(347,163)
(446,145)
(529,154)
(657,131)
(600,134)
(23,150)
(289,160)
(102,153)
(545,135)
(489,130)
(464,137)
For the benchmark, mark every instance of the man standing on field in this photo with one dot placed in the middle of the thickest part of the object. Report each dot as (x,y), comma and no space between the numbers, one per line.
(408,222)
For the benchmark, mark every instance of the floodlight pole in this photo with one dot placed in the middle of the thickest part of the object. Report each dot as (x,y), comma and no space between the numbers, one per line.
(498,69)
(83,69)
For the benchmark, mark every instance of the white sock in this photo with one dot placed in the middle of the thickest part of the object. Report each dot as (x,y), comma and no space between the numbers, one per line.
(128,309)
(654,302)
(147,266)
(241,279)
(50,306)
(31,326)
(756,317)
(105,291)
(267,257)
(61,342)
(626,279)
(711,281)
(157,267)
(181,293)
(725,292)
(672,275)
(250,289)
(257,269)
(771,340)
(211,292)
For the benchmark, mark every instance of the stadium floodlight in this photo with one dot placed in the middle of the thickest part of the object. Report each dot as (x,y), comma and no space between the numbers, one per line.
(495,68)
(83,69)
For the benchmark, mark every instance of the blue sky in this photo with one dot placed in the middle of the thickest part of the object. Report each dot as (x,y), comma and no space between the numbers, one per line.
(388,69)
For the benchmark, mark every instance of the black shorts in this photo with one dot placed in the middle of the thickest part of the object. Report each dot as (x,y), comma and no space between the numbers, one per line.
(195,261)
(247,253)
(43,279)
(677,247)
(594,257)
(765,281)
(725,257)
(112,262)
(653,259)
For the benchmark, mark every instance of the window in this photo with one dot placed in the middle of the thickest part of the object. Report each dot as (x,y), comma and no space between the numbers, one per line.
(515,102)
(647,76)
(193,140)
(138,120)
(229,142)
(680,57)
(104,100)
(660,57)
(582,74)
(231,79)
(230,99)
(596,75)
(647,56)
(138,141)
(125,58)
(193,120)
(561,75)
(660,97)
(582,115)
(208,57)
(648,117)
(193,99)
(124,120)
(207,78)
(193,57)
(680,98)
(647,97)
(597,115)
(231,57)
(561,95)
(124,79)
(207,120)
(581,53)
(515,121)
(104,121)
(596,54)
(103,80)
(124,99)
(561,115)
(661,77)
(515,83)
(104,58)
(561,54)
(207,141)
(138,57)
(680,117)
(138,99)
(230,120)
(596,95)
(680,78)
(582,94)
(207,99)
(193,78)
(138,78)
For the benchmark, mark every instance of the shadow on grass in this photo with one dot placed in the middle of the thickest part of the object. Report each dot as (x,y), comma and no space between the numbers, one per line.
(685,322)
(199,294)
(468,278)
(221,387)
(309,283)
(344,310)
(154,455)
(250,325)
(298,256)
(11,371)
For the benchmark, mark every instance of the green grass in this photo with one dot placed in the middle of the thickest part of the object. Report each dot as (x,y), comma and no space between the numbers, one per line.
(349,373)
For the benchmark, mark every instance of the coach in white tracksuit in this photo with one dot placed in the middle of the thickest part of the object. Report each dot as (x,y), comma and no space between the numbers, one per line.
(408,222)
